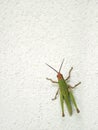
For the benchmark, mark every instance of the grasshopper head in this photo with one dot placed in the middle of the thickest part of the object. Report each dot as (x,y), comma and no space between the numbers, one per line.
(59,76)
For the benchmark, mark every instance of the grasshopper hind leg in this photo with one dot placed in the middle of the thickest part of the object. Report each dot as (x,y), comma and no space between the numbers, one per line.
(62,104)
(73,101)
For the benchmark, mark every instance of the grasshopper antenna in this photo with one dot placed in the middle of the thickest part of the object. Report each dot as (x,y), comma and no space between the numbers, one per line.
(52,68)
(61,65)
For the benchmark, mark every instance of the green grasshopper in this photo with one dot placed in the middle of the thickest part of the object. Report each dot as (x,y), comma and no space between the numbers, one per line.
(65,90)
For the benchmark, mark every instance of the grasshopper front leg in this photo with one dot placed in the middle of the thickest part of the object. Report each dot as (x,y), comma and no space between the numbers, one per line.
(52,80)
(57,90)
(69,74)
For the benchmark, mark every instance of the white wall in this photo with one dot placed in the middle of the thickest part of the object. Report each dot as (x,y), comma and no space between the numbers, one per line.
(33,32)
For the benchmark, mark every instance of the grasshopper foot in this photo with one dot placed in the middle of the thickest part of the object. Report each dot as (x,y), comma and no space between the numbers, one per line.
(63,114)
(78,111)
(54,99)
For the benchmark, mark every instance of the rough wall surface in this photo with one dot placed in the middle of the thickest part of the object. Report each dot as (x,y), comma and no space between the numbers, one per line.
(35,32)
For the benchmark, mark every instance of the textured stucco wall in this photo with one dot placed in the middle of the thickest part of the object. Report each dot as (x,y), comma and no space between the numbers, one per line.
(33,32)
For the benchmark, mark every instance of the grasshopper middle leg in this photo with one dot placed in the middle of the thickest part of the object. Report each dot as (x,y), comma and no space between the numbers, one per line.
(56,95)
(74,85)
